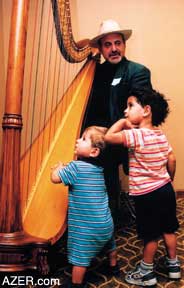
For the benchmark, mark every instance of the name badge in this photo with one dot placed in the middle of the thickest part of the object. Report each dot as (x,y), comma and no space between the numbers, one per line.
(115,81)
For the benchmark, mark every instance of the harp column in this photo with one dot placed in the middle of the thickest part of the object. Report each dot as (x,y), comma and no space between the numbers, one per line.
(18,250)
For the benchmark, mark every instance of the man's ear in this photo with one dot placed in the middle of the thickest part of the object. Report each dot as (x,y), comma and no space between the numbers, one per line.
(147,110)
(95,151)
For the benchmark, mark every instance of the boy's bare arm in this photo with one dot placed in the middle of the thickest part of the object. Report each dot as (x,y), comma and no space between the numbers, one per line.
(115,134)
(171,165)
(54,172)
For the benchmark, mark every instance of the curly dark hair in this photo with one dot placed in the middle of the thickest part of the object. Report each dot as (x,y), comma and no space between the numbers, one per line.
(157,102)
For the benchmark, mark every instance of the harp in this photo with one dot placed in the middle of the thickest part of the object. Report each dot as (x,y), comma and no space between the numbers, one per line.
(48,85)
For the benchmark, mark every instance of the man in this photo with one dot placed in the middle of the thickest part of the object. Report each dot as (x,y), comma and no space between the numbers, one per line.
(113,80)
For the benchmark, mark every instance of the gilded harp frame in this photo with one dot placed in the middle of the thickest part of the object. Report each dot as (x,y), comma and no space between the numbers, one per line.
(20,231)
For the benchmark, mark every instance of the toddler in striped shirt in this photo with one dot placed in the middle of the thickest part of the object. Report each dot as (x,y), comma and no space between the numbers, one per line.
(90,224)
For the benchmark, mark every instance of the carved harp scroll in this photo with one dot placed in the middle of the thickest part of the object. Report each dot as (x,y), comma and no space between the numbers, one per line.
(72,51)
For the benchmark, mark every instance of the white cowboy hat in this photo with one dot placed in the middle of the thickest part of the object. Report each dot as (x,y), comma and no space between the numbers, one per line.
(107,27)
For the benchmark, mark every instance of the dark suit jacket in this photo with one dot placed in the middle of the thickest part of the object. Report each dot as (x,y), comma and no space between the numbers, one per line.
(109,96)
(110,90)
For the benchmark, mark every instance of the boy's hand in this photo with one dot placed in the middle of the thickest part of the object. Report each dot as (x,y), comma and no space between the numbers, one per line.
(58,165)
(54,172)
(126,124)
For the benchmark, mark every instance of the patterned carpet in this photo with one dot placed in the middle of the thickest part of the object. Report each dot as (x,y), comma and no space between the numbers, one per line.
(129,253)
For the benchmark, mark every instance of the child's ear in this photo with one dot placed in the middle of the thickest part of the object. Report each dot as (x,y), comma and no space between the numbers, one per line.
(147,110)
(95,151)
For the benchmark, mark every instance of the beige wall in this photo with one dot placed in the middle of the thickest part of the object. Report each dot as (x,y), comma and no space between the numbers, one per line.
(158,42)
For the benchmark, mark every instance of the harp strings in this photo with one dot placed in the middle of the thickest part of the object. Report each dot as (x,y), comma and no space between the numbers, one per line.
(28,125)
(47,78)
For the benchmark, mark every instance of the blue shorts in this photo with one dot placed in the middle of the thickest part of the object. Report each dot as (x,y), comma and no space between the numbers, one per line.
(156,213)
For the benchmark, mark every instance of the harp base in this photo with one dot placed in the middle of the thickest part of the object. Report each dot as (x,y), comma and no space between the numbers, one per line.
(20,251)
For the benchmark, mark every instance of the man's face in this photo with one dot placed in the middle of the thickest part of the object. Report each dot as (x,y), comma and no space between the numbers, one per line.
(113,48)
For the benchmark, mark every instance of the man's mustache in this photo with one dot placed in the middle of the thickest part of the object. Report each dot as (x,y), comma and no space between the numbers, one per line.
(115,53)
